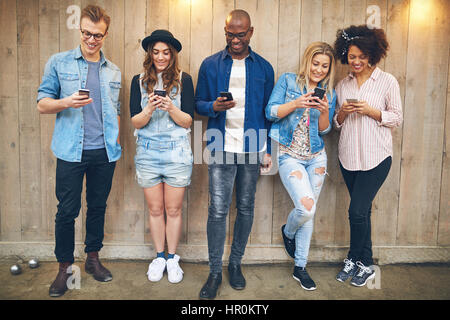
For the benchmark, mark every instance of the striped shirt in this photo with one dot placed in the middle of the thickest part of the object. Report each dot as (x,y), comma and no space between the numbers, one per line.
(364,142)
(234,124)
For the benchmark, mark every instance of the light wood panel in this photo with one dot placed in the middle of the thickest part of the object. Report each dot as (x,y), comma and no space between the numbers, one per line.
(10,218)
(423,124)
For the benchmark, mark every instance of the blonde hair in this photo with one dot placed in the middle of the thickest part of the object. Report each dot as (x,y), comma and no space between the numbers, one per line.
(95,14)
(170,76)
(305,66)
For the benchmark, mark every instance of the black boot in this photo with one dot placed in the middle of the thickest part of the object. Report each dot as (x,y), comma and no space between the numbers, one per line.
(237,280)
(209,290)
(59,286)
(94,267)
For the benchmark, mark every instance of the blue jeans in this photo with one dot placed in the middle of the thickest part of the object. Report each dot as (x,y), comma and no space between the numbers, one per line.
(303,180)
(223,173)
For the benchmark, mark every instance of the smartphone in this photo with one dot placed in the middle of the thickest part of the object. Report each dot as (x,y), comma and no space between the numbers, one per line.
(318,92)
(352,101)
(161,93)
(227,95)
(84,92)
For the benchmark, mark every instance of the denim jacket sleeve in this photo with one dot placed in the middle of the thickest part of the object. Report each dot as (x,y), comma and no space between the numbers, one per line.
(203,102)
(50,86)
(331,108)
(276,99)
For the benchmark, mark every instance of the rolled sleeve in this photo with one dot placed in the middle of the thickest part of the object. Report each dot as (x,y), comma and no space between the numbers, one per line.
(50,86)
(393,115)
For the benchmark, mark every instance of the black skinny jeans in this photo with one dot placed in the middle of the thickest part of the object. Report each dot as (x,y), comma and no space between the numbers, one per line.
(69,183)
(363,186)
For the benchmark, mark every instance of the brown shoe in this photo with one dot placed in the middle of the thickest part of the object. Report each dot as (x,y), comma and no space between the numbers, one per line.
(94,267)
(59,286)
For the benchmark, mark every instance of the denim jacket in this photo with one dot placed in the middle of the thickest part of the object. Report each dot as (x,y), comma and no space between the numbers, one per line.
(286,90)
(64,74)
(214,77)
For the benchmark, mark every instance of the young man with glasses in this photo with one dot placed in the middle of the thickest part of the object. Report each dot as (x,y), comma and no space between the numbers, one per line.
(85,140)
(237,140)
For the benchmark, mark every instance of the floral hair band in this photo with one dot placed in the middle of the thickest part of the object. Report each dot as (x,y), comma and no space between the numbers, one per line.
(348,39)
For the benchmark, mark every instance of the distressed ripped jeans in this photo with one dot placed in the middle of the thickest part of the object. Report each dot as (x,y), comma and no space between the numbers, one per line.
(303,180)
(222,177)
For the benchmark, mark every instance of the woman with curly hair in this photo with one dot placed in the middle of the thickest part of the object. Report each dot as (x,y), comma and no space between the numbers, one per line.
(368,107)
(162,109)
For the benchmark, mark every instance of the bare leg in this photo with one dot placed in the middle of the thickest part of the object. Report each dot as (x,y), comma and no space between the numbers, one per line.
(155,202)
(173,202)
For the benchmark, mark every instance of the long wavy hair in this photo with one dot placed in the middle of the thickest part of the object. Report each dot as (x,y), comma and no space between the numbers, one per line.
(170,76)
(305,66)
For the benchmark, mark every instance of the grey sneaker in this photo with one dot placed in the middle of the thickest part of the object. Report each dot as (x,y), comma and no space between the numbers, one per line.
(363,275)
(348,271)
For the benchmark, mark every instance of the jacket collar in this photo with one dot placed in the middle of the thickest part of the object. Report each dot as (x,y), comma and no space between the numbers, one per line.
(226,54)
(79,55)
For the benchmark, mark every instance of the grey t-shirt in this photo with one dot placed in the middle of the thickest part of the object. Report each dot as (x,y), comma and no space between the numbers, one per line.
(92,113)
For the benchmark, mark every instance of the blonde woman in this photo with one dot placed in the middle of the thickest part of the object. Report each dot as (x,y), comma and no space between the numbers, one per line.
(300,119)
(162,109)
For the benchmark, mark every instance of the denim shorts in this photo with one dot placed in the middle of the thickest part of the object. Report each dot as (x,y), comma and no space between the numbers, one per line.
(159,161)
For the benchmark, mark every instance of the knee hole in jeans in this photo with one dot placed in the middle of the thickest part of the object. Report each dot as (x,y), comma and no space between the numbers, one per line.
(297,174)
(307,202)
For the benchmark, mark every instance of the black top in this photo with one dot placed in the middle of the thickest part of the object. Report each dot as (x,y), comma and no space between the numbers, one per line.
(187,95)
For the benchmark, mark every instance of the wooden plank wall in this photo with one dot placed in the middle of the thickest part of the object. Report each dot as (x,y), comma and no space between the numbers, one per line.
(412,208)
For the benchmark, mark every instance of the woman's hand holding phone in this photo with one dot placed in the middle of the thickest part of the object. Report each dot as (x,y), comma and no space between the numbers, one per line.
(306,101)
(153,103)
(322,104)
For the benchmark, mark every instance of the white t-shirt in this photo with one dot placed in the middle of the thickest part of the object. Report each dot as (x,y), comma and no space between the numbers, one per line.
(234,124)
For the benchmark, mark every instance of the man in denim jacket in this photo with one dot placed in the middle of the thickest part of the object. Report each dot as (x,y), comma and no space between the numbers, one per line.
(85,140)
(237,138)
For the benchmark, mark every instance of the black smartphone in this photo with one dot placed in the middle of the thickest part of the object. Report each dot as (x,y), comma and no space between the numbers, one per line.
(319,92)
(227,95)
(161,93)
(84,92)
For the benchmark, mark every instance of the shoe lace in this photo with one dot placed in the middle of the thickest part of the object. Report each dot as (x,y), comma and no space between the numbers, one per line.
(362,269)
(349,264)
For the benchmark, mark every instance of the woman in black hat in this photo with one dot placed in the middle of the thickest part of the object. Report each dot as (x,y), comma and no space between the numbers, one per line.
(162,109)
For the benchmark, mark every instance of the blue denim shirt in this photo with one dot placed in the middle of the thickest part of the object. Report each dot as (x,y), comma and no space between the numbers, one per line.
(64,74)
(286,90)
(214,77)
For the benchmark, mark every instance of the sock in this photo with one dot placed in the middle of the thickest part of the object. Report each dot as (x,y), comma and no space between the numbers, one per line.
(160,255)
(170,255)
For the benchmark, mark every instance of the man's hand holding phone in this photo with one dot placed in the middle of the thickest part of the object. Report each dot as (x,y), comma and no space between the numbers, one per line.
(224,102)
(78,99)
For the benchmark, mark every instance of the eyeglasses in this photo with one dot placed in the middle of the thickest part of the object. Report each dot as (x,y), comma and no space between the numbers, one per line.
(239,35)
(87,35)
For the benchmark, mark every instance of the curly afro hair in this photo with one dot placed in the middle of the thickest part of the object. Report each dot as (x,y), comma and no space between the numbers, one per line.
(370,41)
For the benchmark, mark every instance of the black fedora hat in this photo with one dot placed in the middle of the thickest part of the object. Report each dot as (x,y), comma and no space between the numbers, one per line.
(161,35)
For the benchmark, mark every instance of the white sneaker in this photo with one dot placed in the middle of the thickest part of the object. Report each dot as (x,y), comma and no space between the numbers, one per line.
(174,272)
(156,269)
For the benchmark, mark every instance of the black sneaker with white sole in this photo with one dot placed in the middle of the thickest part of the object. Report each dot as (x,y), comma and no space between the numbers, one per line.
(362,275)
(348,271)
(302,276)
